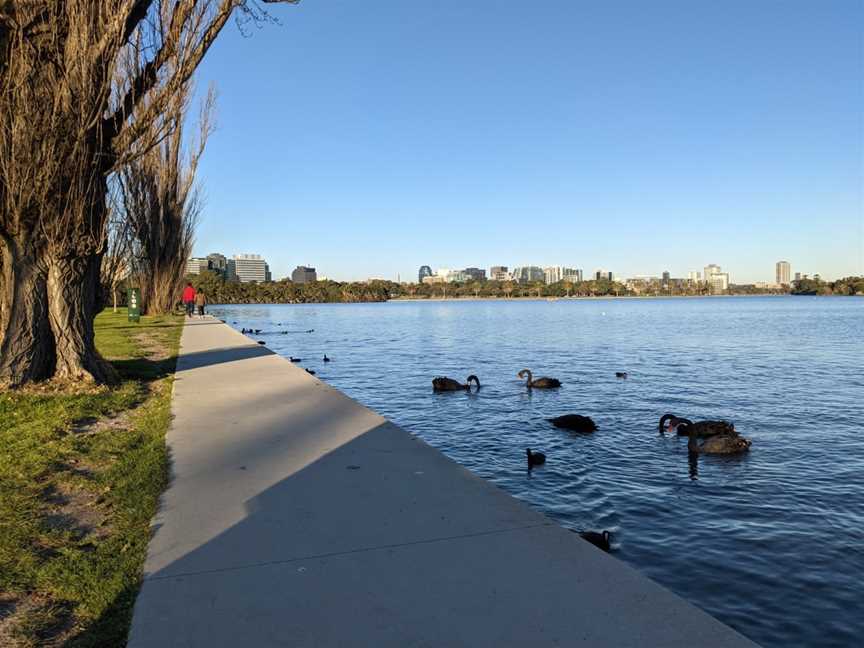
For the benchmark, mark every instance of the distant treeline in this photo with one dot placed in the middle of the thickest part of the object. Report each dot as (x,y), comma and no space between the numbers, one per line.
(845,286)
(219,291)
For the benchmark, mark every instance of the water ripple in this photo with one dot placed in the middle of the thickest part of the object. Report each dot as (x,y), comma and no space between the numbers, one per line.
(770,543)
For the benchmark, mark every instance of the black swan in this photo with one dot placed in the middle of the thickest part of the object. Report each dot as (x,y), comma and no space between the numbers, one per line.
(717,444)
(448,384)
(310,372)
(683,427)
(326,359)
(535,458)
(540,383)
(574,422)
(620,374)
(598,539)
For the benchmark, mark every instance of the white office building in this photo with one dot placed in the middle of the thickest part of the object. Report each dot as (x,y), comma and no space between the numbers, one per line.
(251,267)
(197,265)
(717,280)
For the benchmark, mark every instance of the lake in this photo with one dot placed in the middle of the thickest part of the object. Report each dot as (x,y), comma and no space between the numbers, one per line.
(771,542)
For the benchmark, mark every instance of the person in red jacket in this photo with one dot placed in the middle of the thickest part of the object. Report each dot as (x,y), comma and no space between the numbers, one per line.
(189,299)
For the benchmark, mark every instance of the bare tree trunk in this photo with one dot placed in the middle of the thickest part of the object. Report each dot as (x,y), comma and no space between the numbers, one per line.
(27,348)
(73,284)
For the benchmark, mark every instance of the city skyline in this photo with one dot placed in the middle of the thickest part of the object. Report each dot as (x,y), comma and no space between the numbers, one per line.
(616,136)
(711,273)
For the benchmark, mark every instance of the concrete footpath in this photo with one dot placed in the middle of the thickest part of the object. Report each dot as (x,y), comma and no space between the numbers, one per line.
(297,517)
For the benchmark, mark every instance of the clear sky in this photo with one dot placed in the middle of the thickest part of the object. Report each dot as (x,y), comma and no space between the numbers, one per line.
(368,138)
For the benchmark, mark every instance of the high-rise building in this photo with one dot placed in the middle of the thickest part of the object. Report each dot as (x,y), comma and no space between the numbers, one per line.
(219,263)
(425,271)
(694,277)
(783,273)
(553,274)
(303,274)
(572,275)
(666,278)
(528,274)
(499,273)
(797,276)
(475,274)
(710,270)
(717,280)
(251,267)
(197,265)
(602,274)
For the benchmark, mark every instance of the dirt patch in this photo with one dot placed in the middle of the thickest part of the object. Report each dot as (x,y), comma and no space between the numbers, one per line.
(77,511)
(105,425)
(153,345)
(34,620)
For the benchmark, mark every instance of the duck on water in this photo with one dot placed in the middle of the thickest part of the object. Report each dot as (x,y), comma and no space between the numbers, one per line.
(574,422)
(442,383)
(539,383)
(683,427)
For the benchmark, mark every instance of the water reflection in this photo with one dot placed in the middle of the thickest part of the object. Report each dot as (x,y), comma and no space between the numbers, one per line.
(693,459)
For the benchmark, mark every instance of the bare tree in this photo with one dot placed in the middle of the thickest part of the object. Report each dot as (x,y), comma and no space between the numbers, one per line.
(74,76)
(162,204)
(116,263)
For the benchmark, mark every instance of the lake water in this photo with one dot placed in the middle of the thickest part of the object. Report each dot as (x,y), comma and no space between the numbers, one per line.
(771,543)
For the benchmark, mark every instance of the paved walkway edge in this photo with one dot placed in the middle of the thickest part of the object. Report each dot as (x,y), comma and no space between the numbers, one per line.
(298,517)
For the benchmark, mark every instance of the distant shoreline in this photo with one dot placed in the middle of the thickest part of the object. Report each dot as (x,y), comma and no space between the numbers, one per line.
(581,297)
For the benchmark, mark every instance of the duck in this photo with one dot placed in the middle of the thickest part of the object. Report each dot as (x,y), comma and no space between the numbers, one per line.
(261,342)
(620,374)
(574,422)
(535,458)
(443,383)
(257,331)
(326,359)
(600,539)
(540,383)
(682,427)
(293,359)
(718,444)
(310,372)
(243,330)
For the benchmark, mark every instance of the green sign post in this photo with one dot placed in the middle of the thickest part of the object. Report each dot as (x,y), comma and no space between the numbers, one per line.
(134,301)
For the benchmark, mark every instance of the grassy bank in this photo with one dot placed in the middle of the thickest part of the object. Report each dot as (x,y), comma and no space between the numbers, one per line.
(81,471)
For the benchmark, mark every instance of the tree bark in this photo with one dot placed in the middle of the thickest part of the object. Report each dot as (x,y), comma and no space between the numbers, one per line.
(73,285)
(27,346)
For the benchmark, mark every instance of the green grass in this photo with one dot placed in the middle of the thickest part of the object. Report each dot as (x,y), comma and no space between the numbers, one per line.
(81,471)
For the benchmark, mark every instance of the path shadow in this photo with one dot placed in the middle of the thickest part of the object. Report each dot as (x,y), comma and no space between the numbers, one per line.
(198,359)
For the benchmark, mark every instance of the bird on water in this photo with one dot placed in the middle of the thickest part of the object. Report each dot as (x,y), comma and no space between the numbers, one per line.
(600,539)
(574,422)
(535,458)
(539,383)
(683,427)
(448,384)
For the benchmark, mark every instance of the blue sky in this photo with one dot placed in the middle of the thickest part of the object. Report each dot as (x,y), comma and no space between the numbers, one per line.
(368,138)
